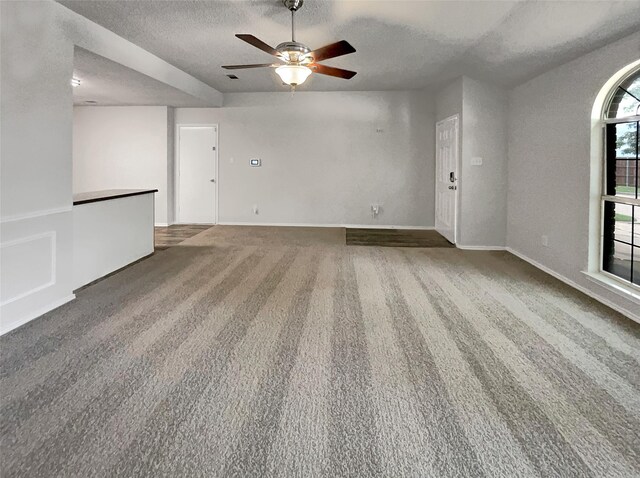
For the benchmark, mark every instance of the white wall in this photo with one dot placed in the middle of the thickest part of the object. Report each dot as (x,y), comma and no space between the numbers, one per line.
(323,161)
(108,235)
(36,63)
(549,163)
(123,147)
(35,149)
(482,109)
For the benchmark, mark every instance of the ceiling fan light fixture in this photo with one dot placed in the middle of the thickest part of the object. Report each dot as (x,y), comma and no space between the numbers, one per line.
(293,75)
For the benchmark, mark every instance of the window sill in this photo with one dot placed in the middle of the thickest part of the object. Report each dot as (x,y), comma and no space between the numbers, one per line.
(627,291)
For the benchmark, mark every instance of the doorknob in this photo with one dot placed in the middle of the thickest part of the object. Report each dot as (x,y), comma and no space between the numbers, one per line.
(212,180)
(452,177)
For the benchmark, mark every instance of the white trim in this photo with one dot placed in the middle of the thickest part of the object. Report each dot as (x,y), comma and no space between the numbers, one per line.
(31,215)
(622,199)
(176,168)
(350,226)
(52,278)
(610,87)
(623,283)
(34,315)
(609,281)
(161,224)
(575,285)
(481,248)
(191,223)
(624,119)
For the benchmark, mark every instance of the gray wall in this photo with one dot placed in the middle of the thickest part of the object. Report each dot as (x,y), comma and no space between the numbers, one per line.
(326,157)
(550,149)
(483,189)
(482,205)
(448,101)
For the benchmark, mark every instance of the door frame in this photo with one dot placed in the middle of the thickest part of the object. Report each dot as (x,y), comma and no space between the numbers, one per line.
(176,168)
(456,219)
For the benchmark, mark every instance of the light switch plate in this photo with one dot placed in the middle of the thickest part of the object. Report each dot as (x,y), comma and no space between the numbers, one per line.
(476,161)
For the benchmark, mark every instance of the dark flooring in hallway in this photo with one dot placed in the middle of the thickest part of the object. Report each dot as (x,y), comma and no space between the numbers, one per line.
(173,235)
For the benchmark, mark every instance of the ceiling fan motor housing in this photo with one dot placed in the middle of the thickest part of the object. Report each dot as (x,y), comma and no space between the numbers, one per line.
(294,52)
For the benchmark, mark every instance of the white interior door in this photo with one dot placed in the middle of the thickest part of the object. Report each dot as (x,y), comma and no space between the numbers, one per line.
(447,177)
(197,181)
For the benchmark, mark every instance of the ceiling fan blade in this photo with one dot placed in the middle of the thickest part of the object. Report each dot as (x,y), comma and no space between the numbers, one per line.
(242,67)
(331,51)
(251,40)
(331,71)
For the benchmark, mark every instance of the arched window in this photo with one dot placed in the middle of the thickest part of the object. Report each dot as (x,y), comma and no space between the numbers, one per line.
(620,197)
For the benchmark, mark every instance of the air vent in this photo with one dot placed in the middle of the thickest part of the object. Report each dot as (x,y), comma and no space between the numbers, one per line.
(233,77)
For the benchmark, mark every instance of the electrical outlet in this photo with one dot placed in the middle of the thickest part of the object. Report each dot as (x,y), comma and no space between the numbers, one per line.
(255,209)
(545,240)
(375,209)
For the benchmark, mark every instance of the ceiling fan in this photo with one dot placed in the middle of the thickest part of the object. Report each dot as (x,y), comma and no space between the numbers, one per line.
(299,60)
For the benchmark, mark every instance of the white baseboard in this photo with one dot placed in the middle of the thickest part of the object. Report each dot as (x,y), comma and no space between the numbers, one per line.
(35,314)
(350,226)
(481,248)
(584,290)
(191,224)
(161,224)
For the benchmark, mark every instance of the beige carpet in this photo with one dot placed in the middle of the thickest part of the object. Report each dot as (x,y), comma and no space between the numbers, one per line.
(282,352)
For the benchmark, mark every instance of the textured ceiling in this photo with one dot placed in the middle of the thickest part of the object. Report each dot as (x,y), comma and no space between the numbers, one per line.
(111,84)
(400,44)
